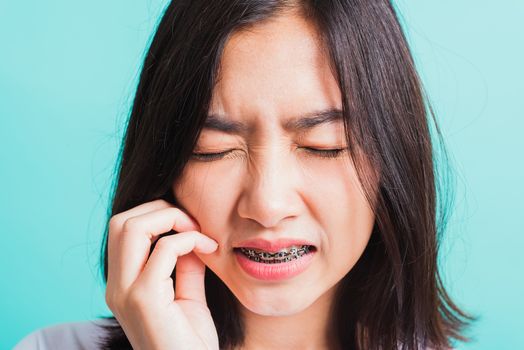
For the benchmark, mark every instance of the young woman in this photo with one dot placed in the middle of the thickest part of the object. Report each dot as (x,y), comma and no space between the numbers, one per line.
(277,186)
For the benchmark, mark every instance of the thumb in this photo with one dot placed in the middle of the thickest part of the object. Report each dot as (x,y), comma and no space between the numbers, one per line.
(190,273)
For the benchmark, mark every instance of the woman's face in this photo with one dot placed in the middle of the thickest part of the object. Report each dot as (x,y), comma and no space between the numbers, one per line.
(269,186)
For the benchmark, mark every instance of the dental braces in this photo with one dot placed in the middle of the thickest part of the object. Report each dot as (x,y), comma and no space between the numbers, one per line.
(275,258)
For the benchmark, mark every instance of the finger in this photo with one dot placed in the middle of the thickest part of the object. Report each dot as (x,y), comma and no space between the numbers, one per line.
(115,229)
(131,246)
(118,220)
(190,276)
(164,257)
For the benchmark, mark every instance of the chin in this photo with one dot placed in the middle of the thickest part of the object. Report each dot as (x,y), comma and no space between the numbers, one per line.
(276,298)
(273,300)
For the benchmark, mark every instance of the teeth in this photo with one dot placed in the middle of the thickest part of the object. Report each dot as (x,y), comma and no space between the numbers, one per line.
(283,255)
(289,249)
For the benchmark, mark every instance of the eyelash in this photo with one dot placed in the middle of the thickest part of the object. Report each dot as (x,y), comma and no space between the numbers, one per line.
(323,153)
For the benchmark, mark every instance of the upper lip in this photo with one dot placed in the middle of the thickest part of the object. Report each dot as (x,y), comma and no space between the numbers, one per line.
(273,245)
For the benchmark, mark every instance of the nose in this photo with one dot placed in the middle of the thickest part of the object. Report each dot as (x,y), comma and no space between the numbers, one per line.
(271,191)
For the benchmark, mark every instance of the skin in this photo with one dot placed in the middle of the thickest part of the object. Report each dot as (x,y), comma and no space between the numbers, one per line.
(270,73)
(274,71)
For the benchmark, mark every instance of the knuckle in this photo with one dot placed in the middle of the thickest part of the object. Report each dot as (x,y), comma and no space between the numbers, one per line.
(116,222)
(131,225)
(164,244)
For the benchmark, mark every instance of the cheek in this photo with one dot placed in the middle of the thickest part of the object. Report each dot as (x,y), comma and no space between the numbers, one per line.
(336,194)
(207,193)
(343,213)
(203,192)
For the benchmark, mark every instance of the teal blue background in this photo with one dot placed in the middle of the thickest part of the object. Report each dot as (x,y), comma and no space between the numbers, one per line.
(67,74)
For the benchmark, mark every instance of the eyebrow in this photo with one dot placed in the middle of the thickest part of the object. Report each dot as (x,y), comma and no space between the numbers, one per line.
(298,124)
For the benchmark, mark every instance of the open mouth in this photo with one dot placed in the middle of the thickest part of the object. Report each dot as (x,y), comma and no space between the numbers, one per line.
(284,255)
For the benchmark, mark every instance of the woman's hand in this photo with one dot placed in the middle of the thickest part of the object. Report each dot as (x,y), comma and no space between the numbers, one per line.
(140,288)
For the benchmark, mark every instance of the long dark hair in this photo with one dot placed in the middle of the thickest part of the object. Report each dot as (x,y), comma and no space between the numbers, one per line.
(394,296)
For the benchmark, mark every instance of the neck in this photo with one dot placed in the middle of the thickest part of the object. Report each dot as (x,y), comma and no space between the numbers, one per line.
(311,328)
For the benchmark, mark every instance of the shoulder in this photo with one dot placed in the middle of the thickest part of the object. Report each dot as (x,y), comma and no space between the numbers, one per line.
(71,335)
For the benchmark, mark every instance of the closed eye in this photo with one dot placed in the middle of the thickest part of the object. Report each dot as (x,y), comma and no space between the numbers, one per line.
(323,153)
(326,153)
(207,157)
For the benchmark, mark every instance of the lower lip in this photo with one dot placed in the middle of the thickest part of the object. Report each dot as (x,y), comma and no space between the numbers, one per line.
(274,272)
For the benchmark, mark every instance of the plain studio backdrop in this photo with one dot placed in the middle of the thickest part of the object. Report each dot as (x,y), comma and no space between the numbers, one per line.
(68,70)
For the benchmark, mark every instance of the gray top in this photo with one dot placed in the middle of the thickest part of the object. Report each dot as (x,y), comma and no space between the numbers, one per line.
(84,335)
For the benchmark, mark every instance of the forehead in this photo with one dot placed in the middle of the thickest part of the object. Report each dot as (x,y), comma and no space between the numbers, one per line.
(286,38)
(274,71)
